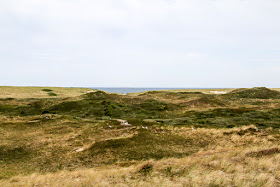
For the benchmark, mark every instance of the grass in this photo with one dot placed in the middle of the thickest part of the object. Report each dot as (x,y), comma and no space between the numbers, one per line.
(40,92)
(205,91)
(255,93)
(249,159)
(191,139)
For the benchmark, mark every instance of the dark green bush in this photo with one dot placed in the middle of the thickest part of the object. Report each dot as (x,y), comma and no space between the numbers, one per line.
(47,90)
(52,94)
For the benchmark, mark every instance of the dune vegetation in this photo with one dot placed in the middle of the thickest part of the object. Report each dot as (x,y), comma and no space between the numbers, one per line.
(74,137)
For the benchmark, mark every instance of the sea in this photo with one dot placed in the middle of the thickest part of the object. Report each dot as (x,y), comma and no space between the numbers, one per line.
(134,90)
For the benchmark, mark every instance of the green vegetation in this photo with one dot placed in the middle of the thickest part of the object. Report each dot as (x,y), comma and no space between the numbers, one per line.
(176,108)
(47,90)
(172,136)
(255,93)
(52,94)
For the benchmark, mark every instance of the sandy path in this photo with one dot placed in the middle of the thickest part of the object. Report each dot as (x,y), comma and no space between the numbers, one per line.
(123,122)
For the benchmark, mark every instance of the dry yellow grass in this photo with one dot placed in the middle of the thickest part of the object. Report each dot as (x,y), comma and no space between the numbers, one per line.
(235,159)
(205,91)
(37,92)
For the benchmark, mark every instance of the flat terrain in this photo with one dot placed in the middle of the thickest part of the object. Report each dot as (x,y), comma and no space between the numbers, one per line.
(175,138)
(38,92)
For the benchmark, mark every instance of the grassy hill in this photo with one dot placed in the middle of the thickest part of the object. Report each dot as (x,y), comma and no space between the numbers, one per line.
(174,138)
(255,93)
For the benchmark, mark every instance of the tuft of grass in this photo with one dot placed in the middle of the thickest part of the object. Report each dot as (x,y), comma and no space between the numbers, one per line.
(146,168)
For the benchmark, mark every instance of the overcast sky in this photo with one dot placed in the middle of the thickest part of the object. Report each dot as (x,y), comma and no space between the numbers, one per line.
(140,43)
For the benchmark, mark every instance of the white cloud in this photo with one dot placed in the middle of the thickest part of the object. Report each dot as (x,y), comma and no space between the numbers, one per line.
(166,40)
(194,55)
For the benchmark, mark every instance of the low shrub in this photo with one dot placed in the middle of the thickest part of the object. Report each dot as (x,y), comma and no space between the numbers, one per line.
(47,90)
(52,94)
